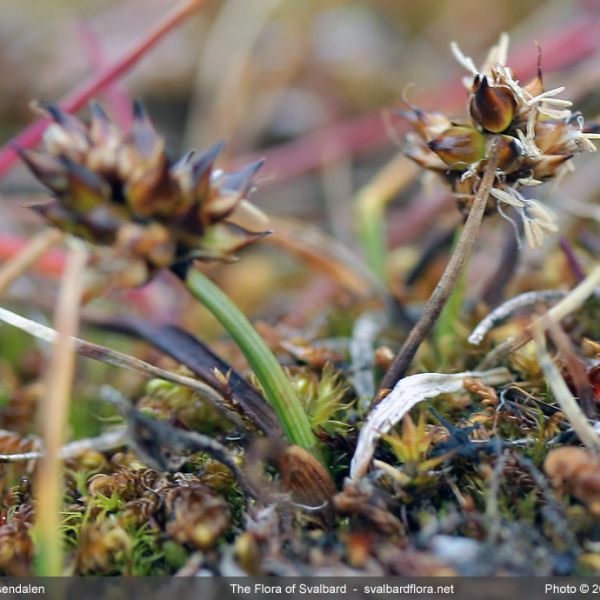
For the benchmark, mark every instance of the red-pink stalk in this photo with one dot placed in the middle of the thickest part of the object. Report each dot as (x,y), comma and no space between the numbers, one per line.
(81,95)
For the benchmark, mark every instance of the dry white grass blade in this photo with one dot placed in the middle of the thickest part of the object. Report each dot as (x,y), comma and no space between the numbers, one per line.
(409,392)
(586,432)
(509,307)
(123,361)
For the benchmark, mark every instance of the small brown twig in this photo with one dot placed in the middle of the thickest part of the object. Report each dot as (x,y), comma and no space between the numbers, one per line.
(447,282)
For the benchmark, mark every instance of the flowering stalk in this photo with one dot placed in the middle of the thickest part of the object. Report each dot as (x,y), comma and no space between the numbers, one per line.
(536,133)
(446,284)
(276,385)
(517,136)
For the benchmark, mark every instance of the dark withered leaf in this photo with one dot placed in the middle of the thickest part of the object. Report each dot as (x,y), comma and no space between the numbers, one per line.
(202,361)
(161,445)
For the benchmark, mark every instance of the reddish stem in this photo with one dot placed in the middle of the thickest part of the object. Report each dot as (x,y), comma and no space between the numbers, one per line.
(81,95)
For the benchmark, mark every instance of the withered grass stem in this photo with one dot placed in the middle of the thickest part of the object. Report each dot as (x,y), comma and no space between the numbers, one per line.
(16,266)
(53,418)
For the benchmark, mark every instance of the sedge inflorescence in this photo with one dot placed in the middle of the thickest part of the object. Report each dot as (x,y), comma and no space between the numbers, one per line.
(121,190)
(535,135)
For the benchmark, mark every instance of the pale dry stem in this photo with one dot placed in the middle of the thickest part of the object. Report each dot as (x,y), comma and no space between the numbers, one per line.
(54,414)
(18,265)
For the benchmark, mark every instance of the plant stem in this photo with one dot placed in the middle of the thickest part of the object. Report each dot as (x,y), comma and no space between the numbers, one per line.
(446,284)
(54,414)
(370,204)
(276,385)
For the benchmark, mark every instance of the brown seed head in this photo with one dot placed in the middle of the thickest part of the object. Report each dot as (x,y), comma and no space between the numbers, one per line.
(121,190)
(535,131)
(458,146)
(492,107)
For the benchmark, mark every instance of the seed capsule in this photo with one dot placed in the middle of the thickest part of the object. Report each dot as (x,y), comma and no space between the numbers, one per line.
(492,107)
(459,146)
(510,152)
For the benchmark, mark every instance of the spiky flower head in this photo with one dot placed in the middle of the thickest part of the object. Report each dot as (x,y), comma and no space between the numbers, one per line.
(121,190)
(536,134)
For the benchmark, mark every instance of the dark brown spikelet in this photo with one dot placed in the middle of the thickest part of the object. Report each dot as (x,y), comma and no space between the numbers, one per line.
(121,190)
(492,107)
(458,146)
